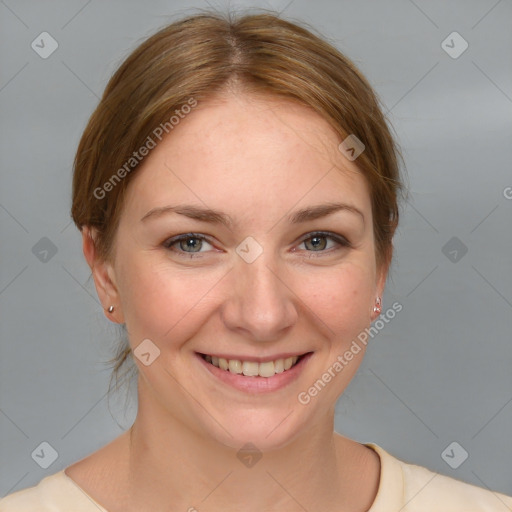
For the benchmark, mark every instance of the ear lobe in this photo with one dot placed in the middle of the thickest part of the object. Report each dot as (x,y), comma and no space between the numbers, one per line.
(382,274)
(101,271)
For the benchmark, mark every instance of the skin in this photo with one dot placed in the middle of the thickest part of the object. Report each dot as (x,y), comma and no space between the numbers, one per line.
(258,159)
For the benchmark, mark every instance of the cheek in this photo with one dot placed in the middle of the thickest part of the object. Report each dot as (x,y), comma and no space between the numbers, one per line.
(161,304)
(340,298)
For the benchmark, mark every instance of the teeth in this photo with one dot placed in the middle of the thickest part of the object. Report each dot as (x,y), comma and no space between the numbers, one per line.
(235,366)
(279,366)
(252,368)
(266,369)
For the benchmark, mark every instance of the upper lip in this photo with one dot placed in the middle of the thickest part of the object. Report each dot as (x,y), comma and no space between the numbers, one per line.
(256,359)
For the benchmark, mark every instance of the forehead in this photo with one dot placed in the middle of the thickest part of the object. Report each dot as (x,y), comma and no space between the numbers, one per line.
(236,149)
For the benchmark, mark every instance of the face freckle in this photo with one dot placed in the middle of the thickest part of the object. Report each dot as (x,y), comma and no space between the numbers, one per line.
(257,161)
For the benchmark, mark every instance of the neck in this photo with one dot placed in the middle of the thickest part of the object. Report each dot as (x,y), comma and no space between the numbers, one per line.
(171,466)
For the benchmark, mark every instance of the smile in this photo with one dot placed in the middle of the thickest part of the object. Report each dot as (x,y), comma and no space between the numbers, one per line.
(254,377)
(253,368)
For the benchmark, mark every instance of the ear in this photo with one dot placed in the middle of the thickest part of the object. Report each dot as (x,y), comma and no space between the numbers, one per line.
(380,284)
(103,275)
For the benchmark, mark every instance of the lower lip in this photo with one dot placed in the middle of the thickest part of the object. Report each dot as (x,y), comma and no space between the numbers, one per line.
(257,384)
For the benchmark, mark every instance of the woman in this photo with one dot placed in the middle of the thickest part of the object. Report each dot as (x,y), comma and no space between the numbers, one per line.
(237,192)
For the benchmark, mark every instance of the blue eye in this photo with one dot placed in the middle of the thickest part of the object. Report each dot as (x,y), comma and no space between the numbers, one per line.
(318,241)
(189,243)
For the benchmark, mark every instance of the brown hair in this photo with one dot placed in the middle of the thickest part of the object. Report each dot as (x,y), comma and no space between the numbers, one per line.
(201,55)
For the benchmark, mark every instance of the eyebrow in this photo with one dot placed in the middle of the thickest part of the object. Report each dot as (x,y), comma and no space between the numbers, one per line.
(216,217)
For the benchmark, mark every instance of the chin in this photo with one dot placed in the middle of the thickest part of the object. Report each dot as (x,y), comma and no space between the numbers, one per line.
(266,429)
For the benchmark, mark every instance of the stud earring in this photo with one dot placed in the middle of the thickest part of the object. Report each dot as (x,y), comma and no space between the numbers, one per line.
(110,309)
(378,305)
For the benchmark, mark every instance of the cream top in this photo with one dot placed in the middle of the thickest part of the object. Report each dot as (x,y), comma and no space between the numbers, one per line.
(403,487)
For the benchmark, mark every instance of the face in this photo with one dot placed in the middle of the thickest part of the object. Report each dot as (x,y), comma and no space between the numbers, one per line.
(245,236)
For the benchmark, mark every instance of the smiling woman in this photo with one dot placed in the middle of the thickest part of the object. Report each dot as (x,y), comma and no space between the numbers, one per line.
(246,251)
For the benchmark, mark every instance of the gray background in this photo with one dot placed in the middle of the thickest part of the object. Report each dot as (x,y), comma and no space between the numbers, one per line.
(437,373)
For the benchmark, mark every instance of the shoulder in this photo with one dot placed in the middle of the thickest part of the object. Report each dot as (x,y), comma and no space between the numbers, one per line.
(414,488)
(54,493)
(446,493)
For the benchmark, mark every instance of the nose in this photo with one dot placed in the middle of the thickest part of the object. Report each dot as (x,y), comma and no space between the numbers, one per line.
(261,306)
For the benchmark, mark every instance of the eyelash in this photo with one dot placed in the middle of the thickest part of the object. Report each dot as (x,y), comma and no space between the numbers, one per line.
(342,241)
